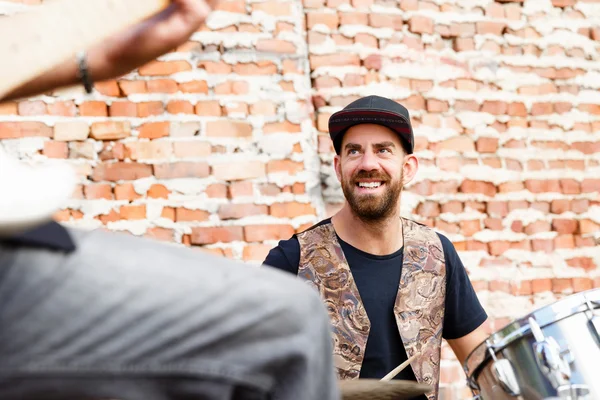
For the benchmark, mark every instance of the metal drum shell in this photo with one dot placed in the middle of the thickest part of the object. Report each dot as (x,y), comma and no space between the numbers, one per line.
(567,321)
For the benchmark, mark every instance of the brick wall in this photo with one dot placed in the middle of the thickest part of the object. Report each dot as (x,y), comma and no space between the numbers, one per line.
(222,144)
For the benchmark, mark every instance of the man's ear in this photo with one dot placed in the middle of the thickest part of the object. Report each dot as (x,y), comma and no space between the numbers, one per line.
(409,168)
(337,166)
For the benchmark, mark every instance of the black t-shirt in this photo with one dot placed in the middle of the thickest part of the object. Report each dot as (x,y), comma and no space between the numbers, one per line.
(377,279)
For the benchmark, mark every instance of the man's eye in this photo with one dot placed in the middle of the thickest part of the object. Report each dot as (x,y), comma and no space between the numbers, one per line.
(384,150)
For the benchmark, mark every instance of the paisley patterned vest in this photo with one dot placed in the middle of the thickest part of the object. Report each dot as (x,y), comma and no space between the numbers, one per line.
(419,307)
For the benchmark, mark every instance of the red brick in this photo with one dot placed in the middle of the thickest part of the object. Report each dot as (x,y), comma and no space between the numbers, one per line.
(464,44)
(132,87)
(587,226)
(180,107)
(560,206)
(123,109)
(208,108)
(121,171)
(486,188)
(108,88)
(126,191)
(291,210)
(233,171)
(182,169)
(490,27)
(8,108)
(353,18)
(237,211)
(570,186)
(133,212)
(150,108)
(189,215)
(539,186)
(255,68)
(288,166)
(562,285)
(487,145)
(329,60)
(590,185)
(275,46)
(54,149)
(162,86)
(110,130)
(494,107)
(521,288)
(279,127)
(188,148)
(421,24)
(537,227)
(256,252)
(564,242)
(154,130)
(194,87)
(580,206)
(275,8)
(62,108)
(149,150)
(93,109)
(95,191)
(564,225)
(386,21)
(586,263)
(258,233)
(228,128)
(563,3)
(158,191)
(497,247)
(542,108)
(428,209)
(330,20)
(497,208)
(158,68)
(210,235)
(437,106)
(466,105)
(373,62)
(541,285)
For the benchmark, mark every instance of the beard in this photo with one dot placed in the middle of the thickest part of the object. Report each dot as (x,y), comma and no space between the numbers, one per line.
(372,207)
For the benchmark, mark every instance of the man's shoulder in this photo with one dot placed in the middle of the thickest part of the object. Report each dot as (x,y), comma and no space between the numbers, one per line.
(286,255)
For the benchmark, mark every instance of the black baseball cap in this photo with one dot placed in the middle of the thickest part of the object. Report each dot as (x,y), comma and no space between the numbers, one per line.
(372,110)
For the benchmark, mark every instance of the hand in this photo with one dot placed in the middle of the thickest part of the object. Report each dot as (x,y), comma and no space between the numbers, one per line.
(127,50)
(148,40)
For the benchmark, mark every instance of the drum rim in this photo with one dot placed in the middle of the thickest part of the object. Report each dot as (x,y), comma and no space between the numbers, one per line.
(518,328)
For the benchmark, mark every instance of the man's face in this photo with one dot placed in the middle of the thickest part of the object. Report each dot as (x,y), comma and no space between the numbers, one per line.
(370,170)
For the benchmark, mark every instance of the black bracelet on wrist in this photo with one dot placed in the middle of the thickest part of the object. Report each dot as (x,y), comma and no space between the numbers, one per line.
(84,73)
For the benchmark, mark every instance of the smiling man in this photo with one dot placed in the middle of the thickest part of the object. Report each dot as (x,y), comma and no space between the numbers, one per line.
(393,287)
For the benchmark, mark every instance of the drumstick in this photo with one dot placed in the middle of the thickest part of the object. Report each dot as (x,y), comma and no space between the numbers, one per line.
(399,368)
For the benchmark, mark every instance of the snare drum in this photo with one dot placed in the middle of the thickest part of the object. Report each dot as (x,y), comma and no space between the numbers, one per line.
(552,353)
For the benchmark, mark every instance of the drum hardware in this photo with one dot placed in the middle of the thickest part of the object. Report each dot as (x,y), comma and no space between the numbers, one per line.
(550,358)
(554,353)
(593,321)
(574,392)
(504,373)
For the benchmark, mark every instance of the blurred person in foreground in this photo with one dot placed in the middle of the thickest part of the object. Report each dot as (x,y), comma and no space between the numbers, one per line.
(100,315)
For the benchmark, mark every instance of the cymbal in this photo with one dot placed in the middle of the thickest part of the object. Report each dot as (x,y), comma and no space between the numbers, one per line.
(374,389)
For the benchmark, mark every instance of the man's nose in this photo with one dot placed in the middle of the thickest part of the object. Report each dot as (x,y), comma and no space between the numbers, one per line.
(369,161)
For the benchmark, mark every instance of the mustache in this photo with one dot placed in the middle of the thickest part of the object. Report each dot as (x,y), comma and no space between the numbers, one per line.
(371,175)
